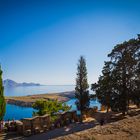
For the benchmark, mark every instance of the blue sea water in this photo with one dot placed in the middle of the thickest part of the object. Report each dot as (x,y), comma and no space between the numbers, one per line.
(17,112)
(30,90)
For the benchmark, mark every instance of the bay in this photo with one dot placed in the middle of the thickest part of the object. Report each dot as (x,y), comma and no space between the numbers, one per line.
(17,112)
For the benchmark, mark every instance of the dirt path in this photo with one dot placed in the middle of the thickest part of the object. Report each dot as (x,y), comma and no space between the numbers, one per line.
(62,131)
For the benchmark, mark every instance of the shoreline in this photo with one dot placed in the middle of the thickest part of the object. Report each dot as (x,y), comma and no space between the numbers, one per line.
(28,100)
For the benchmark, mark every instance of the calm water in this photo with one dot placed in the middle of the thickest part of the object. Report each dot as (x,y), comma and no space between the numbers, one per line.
(30,90)
(16,112)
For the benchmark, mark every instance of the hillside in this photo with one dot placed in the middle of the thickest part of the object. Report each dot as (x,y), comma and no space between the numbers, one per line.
(27,101)
(11,83)
(125,129)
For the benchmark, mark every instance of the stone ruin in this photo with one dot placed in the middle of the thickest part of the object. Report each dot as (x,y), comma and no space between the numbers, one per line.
(66,118)
(34,125)
(38,124)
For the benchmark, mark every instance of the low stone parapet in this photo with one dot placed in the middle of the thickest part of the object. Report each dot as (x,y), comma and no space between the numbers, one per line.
(36,124)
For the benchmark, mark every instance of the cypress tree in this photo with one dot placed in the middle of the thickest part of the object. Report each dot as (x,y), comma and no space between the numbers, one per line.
(81,89)
(2,99)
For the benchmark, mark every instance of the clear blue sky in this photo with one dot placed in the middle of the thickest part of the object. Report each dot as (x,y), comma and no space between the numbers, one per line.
(41,40)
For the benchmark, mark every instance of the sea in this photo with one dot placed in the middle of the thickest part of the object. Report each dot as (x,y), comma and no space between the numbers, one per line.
(17,112)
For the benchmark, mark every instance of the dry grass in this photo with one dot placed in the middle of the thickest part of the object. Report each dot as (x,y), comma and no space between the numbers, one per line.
(30,99)
(33,98)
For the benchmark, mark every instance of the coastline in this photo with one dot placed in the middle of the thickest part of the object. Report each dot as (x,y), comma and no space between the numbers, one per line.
(27,101)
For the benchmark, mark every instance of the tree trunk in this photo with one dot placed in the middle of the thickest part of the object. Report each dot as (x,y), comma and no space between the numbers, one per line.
(81,119)
(107,109)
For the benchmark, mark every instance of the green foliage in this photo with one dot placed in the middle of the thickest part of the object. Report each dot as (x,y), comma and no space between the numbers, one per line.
(2,99)
(54,118)
(81,90)
(104,86)
(120,80)
(49,107)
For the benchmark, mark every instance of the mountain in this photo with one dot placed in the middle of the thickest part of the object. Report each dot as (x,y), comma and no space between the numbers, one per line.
(11,83)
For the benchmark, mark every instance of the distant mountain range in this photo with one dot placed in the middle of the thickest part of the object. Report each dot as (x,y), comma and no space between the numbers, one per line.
(11,83)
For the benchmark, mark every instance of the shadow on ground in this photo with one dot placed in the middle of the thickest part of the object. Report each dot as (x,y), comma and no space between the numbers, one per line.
(72,128)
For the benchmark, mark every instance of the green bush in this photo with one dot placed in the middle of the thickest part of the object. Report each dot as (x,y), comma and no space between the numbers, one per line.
(49,107)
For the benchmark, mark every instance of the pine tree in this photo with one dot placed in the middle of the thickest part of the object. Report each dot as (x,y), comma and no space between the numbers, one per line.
(103,88)
(81,90)
(124,62)
(120,81)
(2,99)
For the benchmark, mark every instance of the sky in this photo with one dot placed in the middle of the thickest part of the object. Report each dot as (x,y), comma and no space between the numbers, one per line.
(42,40)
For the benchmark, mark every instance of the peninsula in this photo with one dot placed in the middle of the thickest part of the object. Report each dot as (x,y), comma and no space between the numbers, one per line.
(27,101)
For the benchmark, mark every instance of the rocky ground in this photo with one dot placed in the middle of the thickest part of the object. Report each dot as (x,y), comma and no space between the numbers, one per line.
(117,127)
(124,129)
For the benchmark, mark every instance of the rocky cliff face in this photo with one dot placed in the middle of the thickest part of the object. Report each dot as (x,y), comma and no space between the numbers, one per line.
(19,103)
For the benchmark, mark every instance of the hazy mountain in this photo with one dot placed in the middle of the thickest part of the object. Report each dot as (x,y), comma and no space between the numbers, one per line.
(11,83)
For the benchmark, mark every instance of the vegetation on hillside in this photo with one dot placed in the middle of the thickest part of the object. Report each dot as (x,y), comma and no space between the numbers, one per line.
(81,90)
(119,83)
(2,99)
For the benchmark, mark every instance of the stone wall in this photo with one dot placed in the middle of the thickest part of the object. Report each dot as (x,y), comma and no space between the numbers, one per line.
(39,124)
(65,118)
(36,124)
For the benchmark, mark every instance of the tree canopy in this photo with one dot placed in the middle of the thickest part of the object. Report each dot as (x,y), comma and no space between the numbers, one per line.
(49,107)
(120,80)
